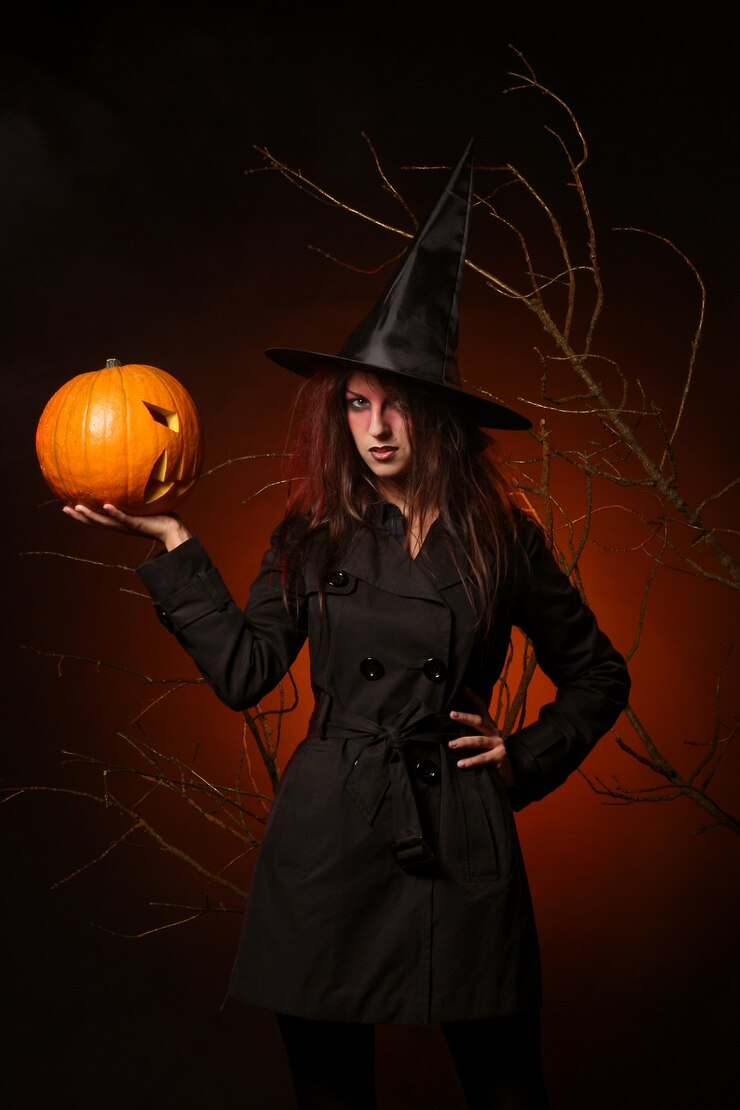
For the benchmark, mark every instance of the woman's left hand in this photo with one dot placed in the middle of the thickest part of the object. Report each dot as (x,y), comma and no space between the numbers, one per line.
(486,737)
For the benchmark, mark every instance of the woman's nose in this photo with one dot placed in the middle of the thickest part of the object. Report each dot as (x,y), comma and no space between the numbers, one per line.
(379,426)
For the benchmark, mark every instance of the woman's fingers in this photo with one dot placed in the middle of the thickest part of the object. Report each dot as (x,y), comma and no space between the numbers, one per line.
(492,749)
(488,739)
(107,517)
(488,742)
(477,720)
(163,527)
(494,752)
(85,515)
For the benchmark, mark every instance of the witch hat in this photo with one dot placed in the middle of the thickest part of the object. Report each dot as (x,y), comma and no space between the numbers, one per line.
(412,329)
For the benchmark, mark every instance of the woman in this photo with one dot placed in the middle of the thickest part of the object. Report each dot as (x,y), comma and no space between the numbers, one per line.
(390,886)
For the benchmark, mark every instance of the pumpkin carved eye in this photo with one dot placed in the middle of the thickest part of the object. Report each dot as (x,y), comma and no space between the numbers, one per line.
(169,419)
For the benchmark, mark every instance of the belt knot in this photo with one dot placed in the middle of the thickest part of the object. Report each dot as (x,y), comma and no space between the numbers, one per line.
(394,737)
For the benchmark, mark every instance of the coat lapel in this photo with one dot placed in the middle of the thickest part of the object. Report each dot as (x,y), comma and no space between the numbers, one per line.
(436,559)
(377,557)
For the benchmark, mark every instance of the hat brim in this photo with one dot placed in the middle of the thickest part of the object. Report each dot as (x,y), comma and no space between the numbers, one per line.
(485,413)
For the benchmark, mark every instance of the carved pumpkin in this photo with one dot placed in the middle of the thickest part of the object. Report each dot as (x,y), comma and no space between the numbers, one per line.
(125,434)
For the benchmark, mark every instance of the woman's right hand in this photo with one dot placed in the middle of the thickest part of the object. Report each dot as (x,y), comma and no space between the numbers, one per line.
(167,528)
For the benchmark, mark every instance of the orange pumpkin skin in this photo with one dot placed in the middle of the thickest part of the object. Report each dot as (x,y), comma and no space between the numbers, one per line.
(129,435)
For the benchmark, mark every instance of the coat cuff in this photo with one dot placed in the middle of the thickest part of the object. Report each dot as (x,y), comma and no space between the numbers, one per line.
(533,777)
(184,585)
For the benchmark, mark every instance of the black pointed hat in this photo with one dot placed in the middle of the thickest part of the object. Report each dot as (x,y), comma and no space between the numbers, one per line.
(412,329)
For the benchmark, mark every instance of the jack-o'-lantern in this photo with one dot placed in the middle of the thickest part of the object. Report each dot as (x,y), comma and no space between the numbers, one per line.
(125,434)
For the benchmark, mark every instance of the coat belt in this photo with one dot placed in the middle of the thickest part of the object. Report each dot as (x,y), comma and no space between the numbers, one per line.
(381,763)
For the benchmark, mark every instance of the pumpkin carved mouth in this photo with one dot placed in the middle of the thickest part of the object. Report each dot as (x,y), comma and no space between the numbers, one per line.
(158,484)
(157,487)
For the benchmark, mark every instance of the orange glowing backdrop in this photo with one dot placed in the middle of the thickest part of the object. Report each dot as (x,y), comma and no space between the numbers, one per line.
(135,234)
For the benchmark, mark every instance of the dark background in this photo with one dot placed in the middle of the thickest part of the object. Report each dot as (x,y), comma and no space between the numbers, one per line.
(130,230)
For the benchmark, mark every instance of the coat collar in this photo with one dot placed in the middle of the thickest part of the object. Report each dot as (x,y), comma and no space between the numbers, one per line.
(377,557)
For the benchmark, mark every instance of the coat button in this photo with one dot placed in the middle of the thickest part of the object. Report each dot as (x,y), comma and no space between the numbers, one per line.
(427,771)
(435,670)
(337,578)
(372,668)
(165,618)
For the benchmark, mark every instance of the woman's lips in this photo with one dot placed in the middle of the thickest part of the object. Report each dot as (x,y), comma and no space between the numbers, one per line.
(383,454)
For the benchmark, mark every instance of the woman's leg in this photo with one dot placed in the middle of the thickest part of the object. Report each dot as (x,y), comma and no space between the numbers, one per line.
(499,1062)
(332,1063)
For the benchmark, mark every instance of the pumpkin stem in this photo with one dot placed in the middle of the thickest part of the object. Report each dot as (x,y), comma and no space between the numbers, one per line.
(110,362)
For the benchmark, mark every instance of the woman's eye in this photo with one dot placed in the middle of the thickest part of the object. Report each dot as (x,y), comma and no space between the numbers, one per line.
(357,403)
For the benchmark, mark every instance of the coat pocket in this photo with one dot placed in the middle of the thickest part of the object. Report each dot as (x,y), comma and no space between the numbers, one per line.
(301,820)
(490,827)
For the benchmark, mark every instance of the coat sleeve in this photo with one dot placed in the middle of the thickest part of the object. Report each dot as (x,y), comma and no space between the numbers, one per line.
(243,654)
(590,676)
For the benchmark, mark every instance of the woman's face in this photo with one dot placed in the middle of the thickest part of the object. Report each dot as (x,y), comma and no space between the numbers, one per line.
(379,430)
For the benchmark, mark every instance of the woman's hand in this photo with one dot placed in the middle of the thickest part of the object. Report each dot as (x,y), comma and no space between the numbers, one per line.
(167,528)
(487,737)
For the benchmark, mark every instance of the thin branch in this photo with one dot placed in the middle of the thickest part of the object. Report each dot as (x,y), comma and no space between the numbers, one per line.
(244,458)
(102,664)
(696,338)
(79,559)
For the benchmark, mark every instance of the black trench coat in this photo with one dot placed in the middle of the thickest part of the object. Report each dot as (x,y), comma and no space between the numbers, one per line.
(390,885)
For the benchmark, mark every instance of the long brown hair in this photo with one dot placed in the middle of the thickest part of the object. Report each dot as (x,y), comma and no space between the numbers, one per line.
(454,474)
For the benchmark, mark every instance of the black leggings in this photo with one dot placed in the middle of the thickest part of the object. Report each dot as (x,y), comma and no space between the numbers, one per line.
(498,1060)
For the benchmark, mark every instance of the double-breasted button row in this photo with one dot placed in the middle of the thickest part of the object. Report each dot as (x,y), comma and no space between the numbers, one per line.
(434,669)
